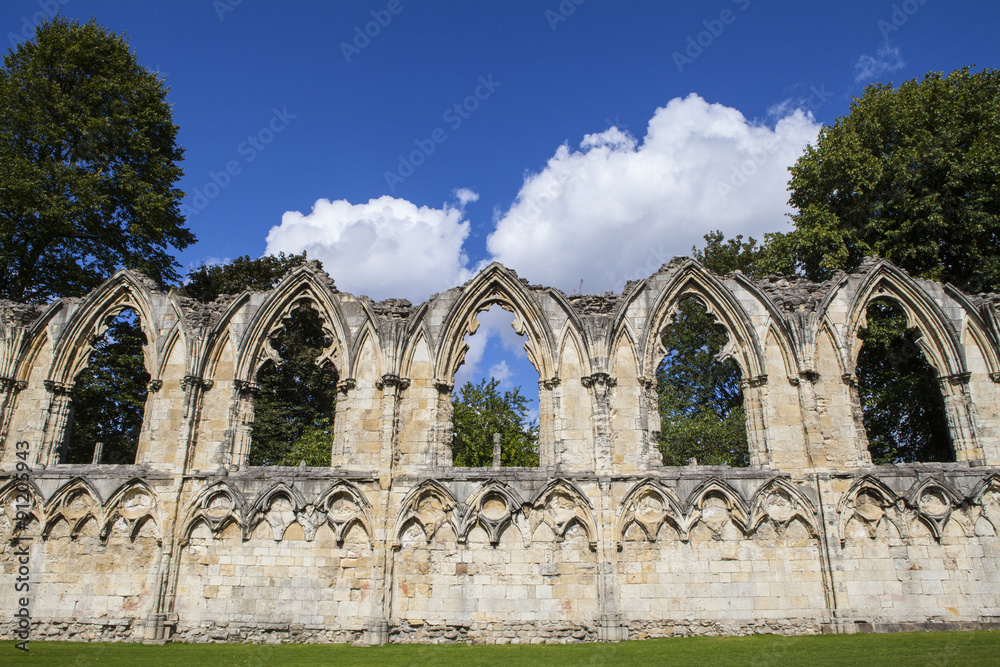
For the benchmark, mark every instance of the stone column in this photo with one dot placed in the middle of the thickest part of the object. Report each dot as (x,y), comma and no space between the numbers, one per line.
(754,400)
(600,385)
(376,629)
(241,425)
(958,407)
(549,436)
(9,389)
(609,621)
(58,420)
(861,435)
(444,428)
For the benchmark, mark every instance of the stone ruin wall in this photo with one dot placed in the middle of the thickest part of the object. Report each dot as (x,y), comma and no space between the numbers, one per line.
(601,542)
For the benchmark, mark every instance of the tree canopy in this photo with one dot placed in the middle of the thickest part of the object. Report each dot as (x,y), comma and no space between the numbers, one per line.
(700,399)
(110,395)
(207,282)
(903,408)
(88,164)
(911,174)
(296,400)
(480,410)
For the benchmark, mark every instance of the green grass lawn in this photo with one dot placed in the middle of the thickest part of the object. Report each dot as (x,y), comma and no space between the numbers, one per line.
(898,650)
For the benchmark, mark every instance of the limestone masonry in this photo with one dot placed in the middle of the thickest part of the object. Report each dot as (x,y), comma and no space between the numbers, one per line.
(601,542)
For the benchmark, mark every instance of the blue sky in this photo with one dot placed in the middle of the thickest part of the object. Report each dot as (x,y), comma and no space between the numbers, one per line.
(405,143)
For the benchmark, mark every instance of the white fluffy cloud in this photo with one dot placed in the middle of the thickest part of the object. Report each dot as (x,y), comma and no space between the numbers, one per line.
(616,209)
(613,210)
(494,323)
(386,248)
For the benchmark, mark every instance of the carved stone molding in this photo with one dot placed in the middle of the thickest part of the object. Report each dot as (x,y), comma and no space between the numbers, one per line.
(58,387)
(849,379)
(444,387)
(995,377)
(189,381)
(550,384)
(955,380)
(246,387)
(12,384)
(154,385)
(599,380)
(392,380)
(346,385)
(758,381)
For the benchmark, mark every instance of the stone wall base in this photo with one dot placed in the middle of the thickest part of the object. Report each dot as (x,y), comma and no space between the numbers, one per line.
(130,630)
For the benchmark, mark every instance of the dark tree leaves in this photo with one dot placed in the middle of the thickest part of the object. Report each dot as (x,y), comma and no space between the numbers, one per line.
(700,399)
(912,174)
(88,164)
(295,405)
(110,395)
(206,282)
(902,404)
(481,410)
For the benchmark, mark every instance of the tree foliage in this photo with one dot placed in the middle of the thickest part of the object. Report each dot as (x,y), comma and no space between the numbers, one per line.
(207,282)
(481,410)
(700,399)
(912,175)
(110,395)
(88,163)
(296,401)
(903,408)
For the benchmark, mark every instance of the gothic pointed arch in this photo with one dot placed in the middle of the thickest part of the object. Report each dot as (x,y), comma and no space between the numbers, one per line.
(495,285)
(76,502)
(939,340)
(691,279)
(779,503)
(431,506)
(135,502)
(126,289)
(304,286)
(216,506)
(649,505)
(704,505)
(494,507)
(345,506)
(933,501)
(870,502)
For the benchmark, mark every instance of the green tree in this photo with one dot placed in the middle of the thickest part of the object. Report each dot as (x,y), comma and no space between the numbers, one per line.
(700,399)
(911,174)
(296,401)
(110,395)
(481,410)
(88,164)
(207,282)
(902,405)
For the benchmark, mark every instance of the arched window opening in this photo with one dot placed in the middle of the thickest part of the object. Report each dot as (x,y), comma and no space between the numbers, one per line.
(502,399)
(700,397)
(296,400)
(901,401)
(109,396)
